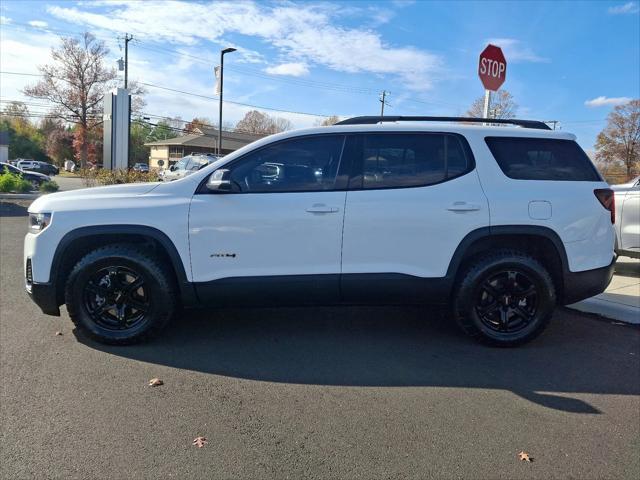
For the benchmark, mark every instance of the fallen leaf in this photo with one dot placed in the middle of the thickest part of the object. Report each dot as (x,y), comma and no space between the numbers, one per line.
(524,456)
(155,382)
(58,334)
(199,442)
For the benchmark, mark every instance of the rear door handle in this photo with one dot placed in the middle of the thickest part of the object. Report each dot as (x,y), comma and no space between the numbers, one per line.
(321,208)
(463,207)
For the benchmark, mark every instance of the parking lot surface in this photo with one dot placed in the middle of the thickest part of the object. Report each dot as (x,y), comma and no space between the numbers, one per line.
(331,392)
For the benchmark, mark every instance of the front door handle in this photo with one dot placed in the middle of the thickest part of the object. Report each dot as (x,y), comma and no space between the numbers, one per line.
(463,207)
(321,208)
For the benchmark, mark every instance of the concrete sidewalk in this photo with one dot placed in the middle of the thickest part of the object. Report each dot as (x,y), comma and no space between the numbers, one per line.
(621,300)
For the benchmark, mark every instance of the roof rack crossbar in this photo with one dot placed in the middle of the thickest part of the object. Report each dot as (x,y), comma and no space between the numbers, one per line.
(370,120)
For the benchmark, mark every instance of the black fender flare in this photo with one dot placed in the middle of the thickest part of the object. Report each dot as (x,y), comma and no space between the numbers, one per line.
(187,291)
(493,231)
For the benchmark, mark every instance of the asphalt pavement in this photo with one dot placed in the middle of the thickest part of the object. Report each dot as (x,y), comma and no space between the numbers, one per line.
(331,392)
(69,183)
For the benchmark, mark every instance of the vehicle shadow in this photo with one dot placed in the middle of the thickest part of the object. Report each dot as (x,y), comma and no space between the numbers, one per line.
(397,347)
(11,209)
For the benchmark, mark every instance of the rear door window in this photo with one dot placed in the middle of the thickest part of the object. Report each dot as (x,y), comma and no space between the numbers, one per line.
(542,159)
(400,160)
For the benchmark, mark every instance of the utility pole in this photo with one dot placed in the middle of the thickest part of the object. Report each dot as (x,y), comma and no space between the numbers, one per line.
(383,96)
(555,122)
(127,39)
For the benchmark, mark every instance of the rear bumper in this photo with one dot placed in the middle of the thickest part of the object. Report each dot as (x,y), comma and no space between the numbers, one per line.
(581,285)
(44,295)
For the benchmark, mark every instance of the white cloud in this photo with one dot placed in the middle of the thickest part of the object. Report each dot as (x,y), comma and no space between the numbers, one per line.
(515,51)
(293,69)
(38,24)
(627,8)
(22,52)
(607,101)
(4,20)
(309,35)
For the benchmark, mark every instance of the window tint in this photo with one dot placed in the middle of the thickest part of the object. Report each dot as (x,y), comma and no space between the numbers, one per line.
(542,159)
(300,164)
(407,160)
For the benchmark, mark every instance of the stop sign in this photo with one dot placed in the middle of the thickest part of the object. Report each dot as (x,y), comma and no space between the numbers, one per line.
(492,68)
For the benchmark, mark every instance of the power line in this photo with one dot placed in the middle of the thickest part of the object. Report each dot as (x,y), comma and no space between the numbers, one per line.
(232,102)
(207,97)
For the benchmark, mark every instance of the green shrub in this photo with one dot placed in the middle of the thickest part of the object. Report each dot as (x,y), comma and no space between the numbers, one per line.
(10,182)
(23,186)
(92,178)
(49,187)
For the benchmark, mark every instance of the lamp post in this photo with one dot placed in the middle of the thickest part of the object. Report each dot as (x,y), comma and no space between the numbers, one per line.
(222,52)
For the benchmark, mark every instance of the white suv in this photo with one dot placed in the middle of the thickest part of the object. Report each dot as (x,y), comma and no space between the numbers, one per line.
(501,223)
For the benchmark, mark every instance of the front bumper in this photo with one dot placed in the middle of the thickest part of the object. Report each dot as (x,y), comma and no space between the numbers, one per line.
(581,285)
(44,295)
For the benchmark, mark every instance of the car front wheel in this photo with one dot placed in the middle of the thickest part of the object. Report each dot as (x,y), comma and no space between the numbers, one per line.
(505,298)
(118,294)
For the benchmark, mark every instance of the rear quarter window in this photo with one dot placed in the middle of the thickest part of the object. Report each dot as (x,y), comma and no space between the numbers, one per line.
(542,159)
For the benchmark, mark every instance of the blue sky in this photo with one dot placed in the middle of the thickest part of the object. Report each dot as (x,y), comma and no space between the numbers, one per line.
(568,61)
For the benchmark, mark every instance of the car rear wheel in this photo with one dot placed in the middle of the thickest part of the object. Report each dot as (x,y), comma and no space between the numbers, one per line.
(505,298)
(118,294)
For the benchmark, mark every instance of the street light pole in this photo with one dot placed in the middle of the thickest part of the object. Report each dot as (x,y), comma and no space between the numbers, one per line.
(127,39)
(222,52)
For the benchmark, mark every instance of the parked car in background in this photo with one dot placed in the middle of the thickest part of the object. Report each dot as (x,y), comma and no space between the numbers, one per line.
(47,168)
(627,197)
(37,166)
(186,166)
(35,178)
(140,167)
(27,165)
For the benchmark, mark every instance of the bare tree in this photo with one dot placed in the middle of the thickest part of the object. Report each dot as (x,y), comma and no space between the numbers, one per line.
(502,105)
(75,83)
(327,122)
(619,142)
(261,123)
(16,111)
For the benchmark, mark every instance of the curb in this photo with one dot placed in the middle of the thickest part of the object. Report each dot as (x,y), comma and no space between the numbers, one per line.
(611,310)
(19,196)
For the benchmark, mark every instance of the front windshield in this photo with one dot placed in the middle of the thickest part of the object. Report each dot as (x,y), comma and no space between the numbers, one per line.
(182,163)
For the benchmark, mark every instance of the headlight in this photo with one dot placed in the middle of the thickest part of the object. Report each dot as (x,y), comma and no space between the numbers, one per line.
(39,221)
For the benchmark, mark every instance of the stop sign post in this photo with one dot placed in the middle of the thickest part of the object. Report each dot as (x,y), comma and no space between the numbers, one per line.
(492,70)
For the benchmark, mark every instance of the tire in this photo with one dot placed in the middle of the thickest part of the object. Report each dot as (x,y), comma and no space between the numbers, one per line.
(505,298)
(120,295)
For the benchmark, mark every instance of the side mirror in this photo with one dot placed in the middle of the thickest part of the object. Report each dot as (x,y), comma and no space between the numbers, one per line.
(220,181)
(172,168)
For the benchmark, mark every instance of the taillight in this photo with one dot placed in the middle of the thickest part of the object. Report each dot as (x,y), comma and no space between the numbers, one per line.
(608,200)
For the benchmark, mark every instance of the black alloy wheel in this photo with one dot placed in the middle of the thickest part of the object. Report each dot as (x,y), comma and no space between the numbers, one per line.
(115,298)
(507,301)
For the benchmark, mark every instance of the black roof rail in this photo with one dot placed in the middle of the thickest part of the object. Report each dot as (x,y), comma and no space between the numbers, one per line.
(370,120)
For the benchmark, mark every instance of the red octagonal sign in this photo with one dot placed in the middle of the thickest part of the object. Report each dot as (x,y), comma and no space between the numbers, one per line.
(492,68)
